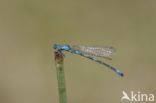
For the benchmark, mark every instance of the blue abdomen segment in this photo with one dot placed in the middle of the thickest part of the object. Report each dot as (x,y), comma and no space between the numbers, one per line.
(96,60)
(101,62)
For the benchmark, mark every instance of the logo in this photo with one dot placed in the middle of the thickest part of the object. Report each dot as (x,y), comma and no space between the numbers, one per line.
(137,96)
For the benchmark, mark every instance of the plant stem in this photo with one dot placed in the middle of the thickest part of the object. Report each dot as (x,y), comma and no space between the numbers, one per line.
(60,76)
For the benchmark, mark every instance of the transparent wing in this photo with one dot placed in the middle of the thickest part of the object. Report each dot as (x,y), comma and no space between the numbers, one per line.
(103,52)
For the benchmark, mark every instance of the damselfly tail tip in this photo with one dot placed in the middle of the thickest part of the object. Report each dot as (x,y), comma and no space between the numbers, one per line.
(121,74)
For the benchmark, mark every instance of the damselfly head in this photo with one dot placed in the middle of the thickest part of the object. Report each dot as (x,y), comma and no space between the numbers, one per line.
(61,47)
(55,46)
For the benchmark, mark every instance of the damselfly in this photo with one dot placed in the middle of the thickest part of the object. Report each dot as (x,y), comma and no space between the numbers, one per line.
(102,52)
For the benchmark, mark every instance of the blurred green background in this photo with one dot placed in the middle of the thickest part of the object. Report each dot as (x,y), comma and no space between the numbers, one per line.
(29,28)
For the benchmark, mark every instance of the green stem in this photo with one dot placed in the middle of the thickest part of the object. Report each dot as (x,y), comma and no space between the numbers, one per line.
(60,77)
